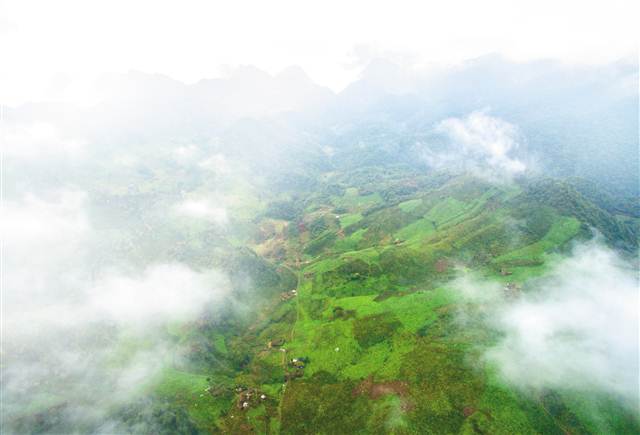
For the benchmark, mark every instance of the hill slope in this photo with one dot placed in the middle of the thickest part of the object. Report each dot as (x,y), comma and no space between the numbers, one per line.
(369,339)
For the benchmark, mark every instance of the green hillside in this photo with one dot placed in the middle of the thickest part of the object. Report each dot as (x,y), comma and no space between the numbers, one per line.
(362,300)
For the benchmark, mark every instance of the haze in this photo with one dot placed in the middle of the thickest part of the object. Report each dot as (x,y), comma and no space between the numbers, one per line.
(328,218)
(55,50)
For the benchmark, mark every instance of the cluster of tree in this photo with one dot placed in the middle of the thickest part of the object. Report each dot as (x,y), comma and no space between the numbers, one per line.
(565,198)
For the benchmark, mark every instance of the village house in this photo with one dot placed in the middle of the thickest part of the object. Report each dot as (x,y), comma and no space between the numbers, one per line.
(275,343)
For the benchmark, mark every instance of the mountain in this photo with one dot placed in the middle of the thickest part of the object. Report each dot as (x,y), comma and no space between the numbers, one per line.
(570,117)
(249,92)
(451,253)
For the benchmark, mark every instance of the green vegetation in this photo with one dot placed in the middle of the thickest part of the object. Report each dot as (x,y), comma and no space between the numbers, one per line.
(376,322)
(353,283)
(349,219)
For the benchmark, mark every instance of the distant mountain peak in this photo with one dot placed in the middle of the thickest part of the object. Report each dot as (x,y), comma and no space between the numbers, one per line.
(379,67)
(294,72)
(249,72)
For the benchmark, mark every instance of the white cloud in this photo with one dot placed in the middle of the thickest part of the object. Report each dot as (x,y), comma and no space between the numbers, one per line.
(166,292)
(186,153)
(34,220)
(202,209)
(39,236)
(328,151)
(591,30)
(38,139)
(217,163)
(48,278)
(481,144)
(88,341)
(576,328)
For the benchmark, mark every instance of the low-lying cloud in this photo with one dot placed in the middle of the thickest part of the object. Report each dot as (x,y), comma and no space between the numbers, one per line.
(575,329)
(40,235)
(479,143)
(202,209)
(217,163)
(82,337)
(39,139)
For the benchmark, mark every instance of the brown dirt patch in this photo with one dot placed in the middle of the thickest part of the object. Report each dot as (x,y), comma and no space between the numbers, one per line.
(394,387)
(376,390)
(442,265)
(468,410)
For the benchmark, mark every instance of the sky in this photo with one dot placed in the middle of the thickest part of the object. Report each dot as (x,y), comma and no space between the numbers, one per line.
(52,50)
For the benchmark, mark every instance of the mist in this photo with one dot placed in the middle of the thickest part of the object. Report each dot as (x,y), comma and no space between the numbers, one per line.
(132,222)
(575,328)
(91,337)
(480,144)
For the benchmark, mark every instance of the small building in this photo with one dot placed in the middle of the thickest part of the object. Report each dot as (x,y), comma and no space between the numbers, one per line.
(288,295)
(297,363)
(275,343)
(505,272)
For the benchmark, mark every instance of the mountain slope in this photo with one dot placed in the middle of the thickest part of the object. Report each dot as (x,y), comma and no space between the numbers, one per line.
(373,322)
